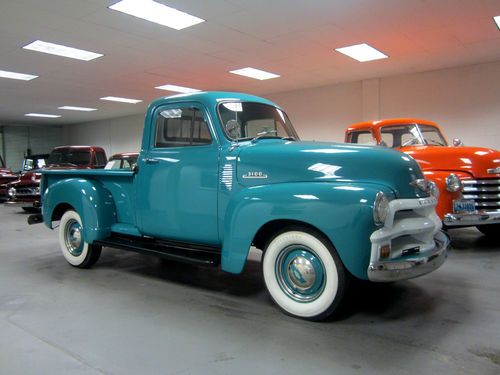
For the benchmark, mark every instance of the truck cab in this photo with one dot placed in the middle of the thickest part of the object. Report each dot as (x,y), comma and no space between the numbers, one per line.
(468,178)
(219,172)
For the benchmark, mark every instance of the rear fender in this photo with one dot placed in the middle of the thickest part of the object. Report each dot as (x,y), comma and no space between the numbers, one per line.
(89,198)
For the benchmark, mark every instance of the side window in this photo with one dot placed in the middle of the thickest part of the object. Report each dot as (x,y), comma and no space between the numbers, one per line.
(363,137)
(181,127)
(388,137)
(100,159)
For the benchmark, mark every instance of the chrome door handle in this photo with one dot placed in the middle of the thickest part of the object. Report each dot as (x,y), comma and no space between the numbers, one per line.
(150,160)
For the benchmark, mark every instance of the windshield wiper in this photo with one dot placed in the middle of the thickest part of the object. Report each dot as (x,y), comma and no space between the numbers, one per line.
(437,143)
(265,134)
(67,163)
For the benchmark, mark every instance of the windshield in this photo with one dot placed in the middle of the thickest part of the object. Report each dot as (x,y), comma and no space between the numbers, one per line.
(411,134)
(69,157)
(249,120)
(33,163)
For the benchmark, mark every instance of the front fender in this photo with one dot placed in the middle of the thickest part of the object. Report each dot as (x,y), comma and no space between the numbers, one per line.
(89,198)
(445,202)
(342,211)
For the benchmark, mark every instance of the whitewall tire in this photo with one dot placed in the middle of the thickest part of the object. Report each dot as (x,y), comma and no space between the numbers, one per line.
(75,250)
(304,274)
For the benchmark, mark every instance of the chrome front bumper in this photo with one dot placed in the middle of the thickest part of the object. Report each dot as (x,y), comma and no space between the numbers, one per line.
(25,203)
(465,219)
(410,243)
(408,268)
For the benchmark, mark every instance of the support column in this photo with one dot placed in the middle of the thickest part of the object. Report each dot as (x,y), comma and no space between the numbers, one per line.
(371,99)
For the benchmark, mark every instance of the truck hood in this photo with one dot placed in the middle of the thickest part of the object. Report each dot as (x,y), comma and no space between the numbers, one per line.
(476,161)
(5,171)
(279,161)
(30,177)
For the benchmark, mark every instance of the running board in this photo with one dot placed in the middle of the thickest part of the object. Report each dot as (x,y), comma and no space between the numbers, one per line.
(178,251)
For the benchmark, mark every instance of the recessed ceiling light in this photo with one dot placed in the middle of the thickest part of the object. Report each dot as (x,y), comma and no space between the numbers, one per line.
(13,75)
(46,115)
(60,50)
(158,13)
(121,100)
(83,109)
(362,52)
(497,21)
(174,88)
(254,73)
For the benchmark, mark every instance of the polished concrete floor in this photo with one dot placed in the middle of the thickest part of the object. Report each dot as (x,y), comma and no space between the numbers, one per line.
(133,314)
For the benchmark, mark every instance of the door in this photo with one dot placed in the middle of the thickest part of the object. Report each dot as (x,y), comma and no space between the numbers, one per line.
(177,177)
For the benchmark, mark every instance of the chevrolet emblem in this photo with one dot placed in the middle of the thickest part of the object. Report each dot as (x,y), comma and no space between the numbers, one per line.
(494,170)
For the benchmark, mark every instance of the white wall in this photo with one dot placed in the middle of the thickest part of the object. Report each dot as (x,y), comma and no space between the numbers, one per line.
(18,138)
(464,100)
(122,134)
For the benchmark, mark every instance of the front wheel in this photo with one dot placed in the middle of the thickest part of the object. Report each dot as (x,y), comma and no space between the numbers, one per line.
(75,250)
(304,274)
(489,230)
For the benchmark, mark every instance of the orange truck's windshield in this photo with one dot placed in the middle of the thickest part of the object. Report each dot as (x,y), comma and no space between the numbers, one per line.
(411,134)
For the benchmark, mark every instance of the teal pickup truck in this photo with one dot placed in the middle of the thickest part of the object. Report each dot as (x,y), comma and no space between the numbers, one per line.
(219,172)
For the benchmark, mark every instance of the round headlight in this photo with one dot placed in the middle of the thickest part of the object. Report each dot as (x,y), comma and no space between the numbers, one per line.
(380,208)
(453,183)
(11,192)
(433,189)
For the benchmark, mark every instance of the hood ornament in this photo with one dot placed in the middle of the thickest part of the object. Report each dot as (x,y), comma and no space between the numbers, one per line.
(421,184)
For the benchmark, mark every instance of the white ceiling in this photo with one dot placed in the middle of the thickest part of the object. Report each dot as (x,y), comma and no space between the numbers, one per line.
(293,38)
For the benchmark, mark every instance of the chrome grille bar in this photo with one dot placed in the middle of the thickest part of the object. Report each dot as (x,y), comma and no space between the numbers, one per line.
(484,192)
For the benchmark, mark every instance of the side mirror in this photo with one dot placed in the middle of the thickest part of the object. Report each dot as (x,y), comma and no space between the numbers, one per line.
(135,169)
(457,142)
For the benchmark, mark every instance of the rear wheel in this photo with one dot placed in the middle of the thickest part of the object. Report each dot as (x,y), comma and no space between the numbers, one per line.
(490,230)
(75,250)
(304,274)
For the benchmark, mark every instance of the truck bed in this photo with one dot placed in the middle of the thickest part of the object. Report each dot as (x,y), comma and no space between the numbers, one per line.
(120,183)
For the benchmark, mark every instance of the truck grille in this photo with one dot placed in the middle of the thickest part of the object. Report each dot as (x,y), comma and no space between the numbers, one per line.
(27,191)
(485,193)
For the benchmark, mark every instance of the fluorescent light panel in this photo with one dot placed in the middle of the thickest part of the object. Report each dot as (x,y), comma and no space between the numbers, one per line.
(174,88)
(254,73)
(14,75)
(72,108)
(45,115)
(121,100)
(497,21)
(158,13)
(362,52)
(60,50)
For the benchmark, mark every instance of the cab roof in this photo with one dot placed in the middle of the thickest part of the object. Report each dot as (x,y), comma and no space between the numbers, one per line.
(209,98)
(387,122)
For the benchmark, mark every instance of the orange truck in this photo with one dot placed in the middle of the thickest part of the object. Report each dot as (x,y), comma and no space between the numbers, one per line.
(468,178)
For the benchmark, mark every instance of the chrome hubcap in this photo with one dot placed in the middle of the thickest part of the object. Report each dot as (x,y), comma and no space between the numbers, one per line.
(73,236)
(300,273)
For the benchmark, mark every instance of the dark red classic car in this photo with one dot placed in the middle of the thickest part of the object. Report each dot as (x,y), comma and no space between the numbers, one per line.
(25,192)
(6,176)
